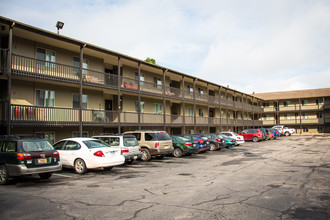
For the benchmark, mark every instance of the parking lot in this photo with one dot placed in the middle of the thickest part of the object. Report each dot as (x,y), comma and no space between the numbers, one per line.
(286,178)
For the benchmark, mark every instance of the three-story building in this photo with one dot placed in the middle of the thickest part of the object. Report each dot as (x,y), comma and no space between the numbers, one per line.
(55,86)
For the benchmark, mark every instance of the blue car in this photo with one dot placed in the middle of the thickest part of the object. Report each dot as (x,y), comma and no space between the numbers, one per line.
(274,131)
(203,145)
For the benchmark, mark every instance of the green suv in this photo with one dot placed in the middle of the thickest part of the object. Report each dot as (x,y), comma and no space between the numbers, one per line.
(21,156)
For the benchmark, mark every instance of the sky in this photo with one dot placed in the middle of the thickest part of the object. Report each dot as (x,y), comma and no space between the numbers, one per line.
(249,45)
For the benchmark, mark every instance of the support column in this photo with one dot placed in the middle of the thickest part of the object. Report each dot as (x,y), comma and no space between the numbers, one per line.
(220,107)
(183,106)
(194,95)
(139,95)
(164,100)
(208,107)
(118,100)
(300,121)
(81,88)
(9,70)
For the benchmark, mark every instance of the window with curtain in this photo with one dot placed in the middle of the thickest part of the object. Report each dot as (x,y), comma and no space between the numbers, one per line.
(46,57)
(75,101)
(141,106)
(45,98)
(76,64)
(190,112)
(141,78)
(158,109)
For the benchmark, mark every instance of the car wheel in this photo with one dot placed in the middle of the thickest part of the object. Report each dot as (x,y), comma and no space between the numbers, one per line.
(80,166)
(3,175)
(213,147)
(255,139)
(146,156)
(177,152)
(129,161)
(107,168)
(160,156)
(45,176)
(286,133)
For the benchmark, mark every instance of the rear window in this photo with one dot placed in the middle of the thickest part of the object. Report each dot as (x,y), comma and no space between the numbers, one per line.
(114,141)
(183,139)
(95,144)
(130,141)
(163,136)
(204,138)
(36,146)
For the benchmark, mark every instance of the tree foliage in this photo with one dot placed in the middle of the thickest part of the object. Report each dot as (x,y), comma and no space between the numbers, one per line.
(150,60)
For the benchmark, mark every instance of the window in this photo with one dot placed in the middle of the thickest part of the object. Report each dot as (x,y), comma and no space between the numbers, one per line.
(9,146)
(49,136)
(305,129)
(190,89)
(319,115)
(265,104)
(286,103)
(141,106)
(201,113)
(141,78)
(114,141)
(319,101)
(267,117)
(305,116)
(71,145)
(304,102)
(45,57)
(45,98)
(200,91)
(320,129)
(157,82)
(76,64)
(75,101)
(190,112)
(76,134)
(158,109)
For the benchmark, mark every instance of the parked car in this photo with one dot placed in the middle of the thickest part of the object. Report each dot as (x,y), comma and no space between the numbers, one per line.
(153,143)
(127,144)
(239,138)
(288,131)
(183,146)
(21,156)
(266,135)
(88,153)
(215,142)
(229,141)
(275,132)
(252,134)
(203,145)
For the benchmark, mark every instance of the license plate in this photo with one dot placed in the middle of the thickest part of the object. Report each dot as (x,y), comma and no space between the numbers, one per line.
(166,146)
(207,142)
(42,161)
(135,157)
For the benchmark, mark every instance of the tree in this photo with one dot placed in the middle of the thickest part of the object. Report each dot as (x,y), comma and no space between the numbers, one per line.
(151,60)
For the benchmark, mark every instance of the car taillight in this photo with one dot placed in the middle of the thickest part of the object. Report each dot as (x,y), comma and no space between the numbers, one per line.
(200,141)
(99,154)
(139,148)
(218,140)
(56,154)
(156,144)
(21,156)
(124,150)
(188,144)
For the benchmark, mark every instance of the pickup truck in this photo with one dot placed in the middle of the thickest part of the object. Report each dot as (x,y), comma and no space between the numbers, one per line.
(284,130)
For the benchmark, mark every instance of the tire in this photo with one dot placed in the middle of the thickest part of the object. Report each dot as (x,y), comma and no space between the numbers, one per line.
(160,156)
(45,176)
(287,133)
(255,139)
(146,156)
(107,168)
(213,147)
(3,175)
(80,166)
(177,152)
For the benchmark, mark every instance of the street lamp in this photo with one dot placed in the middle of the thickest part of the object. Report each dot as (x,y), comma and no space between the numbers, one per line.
(59,26)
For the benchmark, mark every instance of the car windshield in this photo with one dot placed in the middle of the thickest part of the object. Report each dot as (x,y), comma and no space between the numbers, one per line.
(130,141)
(183,139)
(95,144)
(37,146)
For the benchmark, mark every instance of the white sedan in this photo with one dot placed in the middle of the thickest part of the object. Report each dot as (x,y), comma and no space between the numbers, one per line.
(87,153)
(230,134)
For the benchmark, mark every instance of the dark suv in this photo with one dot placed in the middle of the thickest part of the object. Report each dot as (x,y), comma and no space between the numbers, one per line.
(27,155)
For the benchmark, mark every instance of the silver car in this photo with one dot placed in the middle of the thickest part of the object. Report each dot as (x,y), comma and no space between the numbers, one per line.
(128,145)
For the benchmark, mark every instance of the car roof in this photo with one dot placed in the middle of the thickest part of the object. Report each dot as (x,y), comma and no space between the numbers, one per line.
(77,139)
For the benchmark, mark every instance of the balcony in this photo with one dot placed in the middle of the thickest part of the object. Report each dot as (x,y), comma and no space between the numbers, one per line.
(303,121)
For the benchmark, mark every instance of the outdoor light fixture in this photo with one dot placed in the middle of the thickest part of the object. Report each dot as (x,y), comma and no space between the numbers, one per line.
(59,26)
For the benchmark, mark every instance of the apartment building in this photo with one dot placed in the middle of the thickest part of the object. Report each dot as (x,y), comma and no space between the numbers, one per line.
(54,86)
(308,111)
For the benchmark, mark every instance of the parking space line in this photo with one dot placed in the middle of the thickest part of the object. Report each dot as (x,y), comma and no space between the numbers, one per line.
(61,175)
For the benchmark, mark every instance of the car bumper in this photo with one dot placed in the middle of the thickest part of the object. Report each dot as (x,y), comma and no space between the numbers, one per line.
(133,157)
(162,151)
(105,162)
(20,170)
(193,151)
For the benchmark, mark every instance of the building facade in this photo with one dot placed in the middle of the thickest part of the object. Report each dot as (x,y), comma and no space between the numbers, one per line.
(46,90)
(308,111)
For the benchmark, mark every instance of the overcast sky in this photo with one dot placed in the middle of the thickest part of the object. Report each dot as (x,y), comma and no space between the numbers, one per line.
(250,45)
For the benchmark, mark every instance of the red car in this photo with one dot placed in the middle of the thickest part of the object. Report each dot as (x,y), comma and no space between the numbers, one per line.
(252,134)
